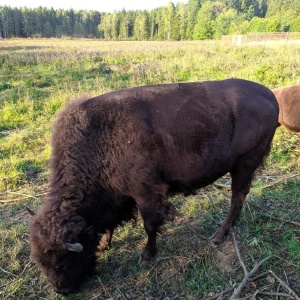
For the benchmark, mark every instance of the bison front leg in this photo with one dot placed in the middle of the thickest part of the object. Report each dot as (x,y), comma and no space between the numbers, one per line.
(150,249)
(105,242)
(153,219)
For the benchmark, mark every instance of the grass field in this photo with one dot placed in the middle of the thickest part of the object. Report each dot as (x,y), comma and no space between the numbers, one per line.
(38,76)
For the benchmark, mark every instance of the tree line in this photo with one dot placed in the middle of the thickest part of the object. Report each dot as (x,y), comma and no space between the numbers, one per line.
(196,19)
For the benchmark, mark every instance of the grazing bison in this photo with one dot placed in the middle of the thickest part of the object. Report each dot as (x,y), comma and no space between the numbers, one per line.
(129,150)
(289,107)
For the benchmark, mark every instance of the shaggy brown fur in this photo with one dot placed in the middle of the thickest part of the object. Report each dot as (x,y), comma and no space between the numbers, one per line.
(131,149)
(289,106)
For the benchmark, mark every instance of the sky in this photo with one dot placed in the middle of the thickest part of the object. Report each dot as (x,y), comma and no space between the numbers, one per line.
(102,6)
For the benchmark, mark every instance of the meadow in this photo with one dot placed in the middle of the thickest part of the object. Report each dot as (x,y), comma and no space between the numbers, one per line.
(38,76)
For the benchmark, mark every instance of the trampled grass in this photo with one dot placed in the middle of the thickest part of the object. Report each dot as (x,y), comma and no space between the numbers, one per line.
(38,76)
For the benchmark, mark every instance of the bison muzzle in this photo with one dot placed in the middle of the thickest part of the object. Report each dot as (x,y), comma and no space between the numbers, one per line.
(128,150)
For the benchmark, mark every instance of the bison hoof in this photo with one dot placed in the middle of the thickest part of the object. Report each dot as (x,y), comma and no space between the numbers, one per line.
(143,262)
(217,238)
(217,241)
(147,257)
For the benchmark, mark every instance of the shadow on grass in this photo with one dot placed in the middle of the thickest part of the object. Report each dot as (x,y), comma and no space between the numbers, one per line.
(174,272)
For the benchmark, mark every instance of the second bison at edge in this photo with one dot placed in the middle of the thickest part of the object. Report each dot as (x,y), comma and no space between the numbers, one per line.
(129,150)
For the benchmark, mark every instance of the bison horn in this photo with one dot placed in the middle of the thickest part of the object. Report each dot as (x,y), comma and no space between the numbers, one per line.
(31,212)
(77,247)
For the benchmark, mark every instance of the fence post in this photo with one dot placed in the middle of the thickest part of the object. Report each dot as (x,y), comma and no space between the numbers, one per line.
(239,40)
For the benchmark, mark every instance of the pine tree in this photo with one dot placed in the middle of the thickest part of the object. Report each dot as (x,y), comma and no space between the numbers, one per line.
(204,28)
(141,26)
(170,18)
(192,11)
(104,26)
(181,17)
(123,25)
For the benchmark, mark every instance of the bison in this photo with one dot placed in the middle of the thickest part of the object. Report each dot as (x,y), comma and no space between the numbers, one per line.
(128,150)
(289,107)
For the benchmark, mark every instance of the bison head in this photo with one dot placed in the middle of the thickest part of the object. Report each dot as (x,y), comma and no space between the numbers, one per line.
(64,249)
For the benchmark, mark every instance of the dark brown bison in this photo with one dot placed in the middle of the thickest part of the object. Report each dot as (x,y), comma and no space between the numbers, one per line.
(129,150)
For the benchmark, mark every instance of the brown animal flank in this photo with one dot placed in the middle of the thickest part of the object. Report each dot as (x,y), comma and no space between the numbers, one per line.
(289,106)
(129,150)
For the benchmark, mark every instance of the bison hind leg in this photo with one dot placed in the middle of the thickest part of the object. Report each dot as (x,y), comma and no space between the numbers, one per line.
(237,201)
(242,174)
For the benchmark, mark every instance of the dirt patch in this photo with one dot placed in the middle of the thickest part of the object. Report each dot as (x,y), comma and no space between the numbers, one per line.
(226,258)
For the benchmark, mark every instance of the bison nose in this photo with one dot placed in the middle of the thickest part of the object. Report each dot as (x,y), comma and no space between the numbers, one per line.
(66,291)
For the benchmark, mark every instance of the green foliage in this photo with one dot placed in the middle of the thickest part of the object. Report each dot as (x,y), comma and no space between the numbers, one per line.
(264,25)
(44,22)
(204,28)
(295,25)
(196,19)
(193,7)
(224,23)
(141,22)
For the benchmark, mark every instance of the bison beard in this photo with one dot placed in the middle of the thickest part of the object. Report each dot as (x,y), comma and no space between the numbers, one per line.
(129,150)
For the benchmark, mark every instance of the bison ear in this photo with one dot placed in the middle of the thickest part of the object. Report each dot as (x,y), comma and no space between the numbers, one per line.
(77,247)
(31,212)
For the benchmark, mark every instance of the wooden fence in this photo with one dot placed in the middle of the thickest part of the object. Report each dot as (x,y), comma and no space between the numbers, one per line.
(281,38)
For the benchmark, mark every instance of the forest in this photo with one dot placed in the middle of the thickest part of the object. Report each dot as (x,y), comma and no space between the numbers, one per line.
(194,20)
